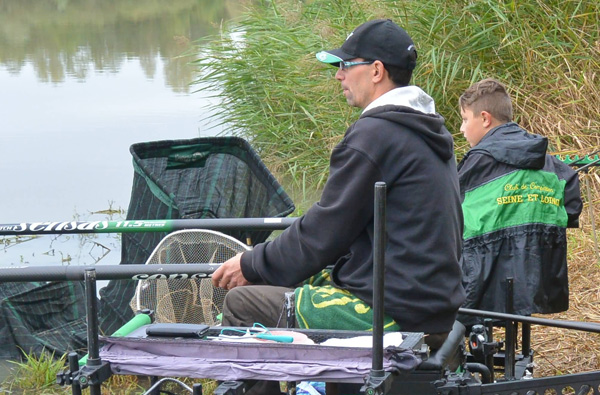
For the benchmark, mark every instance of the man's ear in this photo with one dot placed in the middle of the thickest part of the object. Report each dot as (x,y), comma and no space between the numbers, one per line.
(378,71)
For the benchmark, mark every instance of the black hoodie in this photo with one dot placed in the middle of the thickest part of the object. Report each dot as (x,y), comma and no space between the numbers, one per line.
(412,152)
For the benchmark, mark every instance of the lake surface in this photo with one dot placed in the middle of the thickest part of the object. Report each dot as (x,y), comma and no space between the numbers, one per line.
(80,81)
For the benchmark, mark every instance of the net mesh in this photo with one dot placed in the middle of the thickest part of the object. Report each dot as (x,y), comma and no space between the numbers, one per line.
(194,301)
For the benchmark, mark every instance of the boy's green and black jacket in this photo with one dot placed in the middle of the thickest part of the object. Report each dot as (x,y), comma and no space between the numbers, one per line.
(517,203)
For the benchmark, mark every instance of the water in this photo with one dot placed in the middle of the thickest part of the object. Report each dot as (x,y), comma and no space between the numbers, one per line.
(80,81)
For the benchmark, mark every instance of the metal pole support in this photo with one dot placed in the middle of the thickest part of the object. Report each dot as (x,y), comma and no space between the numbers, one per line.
(379,380)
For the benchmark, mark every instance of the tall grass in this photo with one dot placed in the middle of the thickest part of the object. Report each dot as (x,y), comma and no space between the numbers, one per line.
(272,90)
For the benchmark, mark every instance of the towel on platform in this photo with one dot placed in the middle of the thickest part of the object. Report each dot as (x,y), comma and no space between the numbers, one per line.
(320,305)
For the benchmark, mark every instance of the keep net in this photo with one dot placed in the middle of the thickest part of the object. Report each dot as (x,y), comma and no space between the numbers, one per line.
(210,177)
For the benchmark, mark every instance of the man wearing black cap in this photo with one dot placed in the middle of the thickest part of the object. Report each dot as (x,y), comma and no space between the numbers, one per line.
(398,139)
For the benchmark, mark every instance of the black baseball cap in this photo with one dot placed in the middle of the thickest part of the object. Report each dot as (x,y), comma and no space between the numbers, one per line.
(379,39)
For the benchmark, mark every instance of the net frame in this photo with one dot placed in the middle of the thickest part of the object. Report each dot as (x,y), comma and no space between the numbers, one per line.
(186,300)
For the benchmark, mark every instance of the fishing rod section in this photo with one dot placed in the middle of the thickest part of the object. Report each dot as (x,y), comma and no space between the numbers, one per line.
(135,226)
(136,272)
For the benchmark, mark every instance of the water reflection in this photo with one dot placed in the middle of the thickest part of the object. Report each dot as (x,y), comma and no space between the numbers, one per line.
(73,38)
(80,81)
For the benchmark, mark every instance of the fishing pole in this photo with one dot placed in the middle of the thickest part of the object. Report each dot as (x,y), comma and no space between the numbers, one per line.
(577,325)
(108,272)
(154,225)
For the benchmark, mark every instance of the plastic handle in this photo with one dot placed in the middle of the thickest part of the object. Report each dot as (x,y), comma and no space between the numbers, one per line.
(277,338)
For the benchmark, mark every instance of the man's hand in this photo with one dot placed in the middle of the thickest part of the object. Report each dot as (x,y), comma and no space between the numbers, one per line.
(229,275)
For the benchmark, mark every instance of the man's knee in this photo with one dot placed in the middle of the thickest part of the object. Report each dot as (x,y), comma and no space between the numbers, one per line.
(232,305)
(233,298)
(244,306)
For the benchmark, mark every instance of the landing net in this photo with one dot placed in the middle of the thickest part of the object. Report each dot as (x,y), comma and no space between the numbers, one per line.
(187,300)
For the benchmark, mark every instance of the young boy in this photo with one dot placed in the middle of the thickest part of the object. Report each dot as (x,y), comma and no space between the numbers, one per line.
(517,202)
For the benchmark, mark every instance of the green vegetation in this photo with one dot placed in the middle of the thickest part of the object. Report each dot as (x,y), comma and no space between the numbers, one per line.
(277,95)
(35,375)
(36,372)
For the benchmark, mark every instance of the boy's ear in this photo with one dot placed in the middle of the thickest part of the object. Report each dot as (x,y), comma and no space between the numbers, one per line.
(488,119)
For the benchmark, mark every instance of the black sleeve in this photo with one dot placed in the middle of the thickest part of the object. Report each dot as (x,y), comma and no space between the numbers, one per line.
(573,201)
(327,230)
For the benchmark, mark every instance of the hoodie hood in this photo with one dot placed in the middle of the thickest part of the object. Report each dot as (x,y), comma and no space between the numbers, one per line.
(510,144)
(412,108)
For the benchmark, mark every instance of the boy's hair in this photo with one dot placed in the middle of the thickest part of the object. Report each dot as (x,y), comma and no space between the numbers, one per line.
(488,95)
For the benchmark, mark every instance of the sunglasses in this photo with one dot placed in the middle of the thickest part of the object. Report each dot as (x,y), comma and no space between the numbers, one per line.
(346,65)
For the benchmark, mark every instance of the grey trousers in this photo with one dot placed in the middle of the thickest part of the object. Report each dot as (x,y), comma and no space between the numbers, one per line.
(263,304)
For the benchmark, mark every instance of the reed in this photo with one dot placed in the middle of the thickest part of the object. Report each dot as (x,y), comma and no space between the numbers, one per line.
(270,89)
